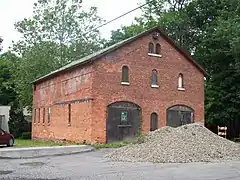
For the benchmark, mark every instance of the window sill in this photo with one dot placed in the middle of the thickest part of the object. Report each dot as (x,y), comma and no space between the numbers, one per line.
(154,86)
(154,55)
(181,89)
(125,83)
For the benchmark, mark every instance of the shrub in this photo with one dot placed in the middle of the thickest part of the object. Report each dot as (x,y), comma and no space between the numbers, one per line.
(26,135)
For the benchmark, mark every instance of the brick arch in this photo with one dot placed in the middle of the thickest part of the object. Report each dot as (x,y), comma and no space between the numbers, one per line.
(128,102)
(181,105)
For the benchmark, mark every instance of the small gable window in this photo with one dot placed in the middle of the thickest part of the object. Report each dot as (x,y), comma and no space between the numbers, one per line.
(125,75)
(158,49)
(180,82)
(154,49)
(150,48)
(154,78)
(154,122)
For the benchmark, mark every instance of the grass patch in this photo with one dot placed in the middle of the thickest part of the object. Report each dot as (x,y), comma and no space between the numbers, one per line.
(33,143)
(114,145)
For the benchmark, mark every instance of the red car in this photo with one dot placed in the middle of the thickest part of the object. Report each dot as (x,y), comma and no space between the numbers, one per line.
(6,138)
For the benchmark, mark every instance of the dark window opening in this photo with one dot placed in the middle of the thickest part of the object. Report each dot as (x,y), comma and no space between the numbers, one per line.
(154,77)
(49,113)
(158,48)
(150,48)
(35,115)
(125,75)
(69,113)
(154,122)
(43,115)
(39,114)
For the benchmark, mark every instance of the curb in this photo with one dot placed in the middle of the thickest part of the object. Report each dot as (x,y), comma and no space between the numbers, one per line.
(39,152)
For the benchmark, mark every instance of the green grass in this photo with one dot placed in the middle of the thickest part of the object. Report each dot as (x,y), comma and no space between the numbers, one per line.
(114,145)
(32,143)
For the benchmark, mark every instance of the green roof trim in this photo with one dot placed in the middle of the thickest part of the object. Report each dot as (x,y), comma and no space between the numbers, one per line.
(109,49)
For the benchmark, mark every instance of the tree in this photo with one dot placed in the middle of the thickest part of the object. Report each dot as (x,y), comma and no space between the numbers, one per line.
(8,95)
(1,40)
(59,32)
(170,15)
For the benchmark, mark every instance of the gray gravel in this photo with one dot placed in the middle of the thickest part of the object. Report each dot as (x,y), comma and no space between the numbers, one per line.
(188,143)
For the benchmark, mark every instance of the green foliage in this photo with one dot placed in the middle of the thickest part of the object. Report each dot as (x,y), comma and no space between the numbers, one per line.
(9,95)
(56,35)
(7,92)
(139,139)
(26,135)
(17,123)
(33,143)
(114,145)
(1,40)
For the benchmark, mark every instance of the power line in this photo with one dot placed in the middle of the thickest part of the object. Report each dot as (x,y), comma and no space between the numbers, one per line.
(118,17)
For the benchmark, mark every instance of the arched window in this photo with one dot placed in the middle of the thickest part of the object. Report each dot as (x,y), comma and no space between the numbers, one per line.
(158,48)
(154,78)
(150,48)
(180,81)
(125,75)
(154,122)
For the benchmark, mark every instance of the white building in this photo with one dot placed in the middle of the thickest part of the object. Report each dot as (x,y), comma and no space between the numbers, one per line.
(4,117)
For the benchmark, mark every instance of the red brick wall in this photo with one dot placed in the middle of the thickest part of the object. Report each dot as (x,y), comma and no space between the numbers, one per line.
(107,88)
(102,82)
(72,85)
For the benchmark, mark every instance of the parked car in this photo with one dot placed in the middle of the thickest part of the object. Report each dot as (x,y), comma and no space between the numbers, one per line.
(6,138)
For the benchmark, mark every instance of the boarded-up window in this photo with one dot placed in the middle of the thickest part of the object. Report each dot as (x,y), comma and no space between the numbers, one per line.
(154,77)
(125,74)
(154,122)
(150,48)
(158,48)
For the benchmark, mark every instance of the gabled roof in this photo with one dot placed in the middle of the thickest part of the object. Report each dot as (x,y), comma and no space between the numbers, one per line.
(109,49)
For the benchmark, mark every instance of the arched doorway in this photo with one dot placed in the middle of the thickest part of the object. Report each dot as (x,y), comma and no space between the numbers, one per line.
(123,121)
(179,115)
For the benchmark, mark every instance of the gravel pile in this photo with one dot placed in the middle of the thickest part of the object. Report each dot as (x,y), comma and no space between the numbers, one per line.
(188,143)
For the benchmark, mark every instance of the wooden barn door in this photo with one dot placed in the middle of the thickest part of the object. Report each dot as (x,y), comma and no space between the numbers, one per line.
(179,115)
(123,121)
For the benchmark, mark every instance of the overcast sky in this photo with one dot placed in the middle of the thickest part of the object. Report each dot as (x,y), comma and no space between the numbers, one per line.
(12,11)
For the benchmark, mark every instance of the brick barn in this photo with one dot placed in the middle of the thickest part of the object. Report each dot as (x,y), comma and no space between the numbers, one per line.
(137,85)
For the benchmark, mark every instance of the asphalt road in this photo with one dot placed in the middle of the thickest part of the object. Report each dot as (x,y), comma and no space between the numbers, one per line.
(93,166)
